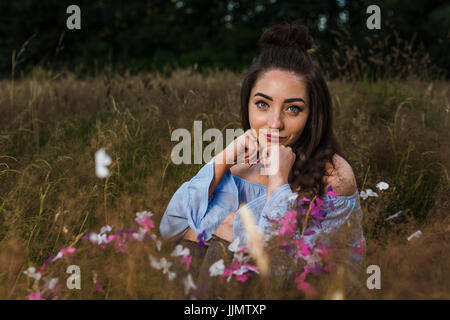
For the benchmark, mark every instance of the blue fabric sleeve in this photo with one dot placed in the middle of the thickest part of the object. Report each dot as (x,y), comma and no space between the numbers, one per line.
(347,212)
(191,207)
(279,202)
(255,206)
(346,208)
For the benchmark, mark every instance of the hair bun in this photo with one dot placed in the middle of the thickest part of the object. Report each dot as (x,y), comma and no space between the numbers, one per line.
(287,35)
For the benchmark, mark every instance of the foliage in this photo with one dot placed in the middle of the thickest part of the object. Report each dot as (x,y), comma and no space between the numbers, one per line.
(118,36)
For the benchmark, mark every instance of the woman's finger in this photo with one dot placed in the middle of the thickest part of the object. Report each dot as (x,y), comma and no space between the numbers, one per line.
(242,148)
(254,151)
(265,155)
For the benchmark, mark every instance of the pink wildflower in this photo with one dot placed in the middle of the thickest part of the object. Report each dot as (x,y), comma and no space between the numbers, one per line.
(284,243)
(308,233)
(186,259)
(146,223)
(305,249)
(324,252)
(35,295)
(319,202)
(331,193)
(120,247)
(304,200)
(47,261)
(303,285)
(288,223)
(67,251)
(241,277)
(314,208)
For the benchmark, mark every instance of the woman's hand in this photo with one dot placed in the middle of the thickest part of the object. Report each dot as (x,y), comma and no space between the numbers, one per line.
(278,161)
(225,230)
(243,149)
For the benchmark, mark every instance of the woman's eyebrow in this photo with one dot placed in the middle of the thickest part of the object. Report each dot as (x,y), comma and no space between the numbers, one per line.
(287,100)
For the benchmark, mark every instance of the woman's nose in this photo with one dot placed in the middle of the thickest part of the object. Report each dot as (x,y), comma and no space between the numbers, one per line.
(275,121)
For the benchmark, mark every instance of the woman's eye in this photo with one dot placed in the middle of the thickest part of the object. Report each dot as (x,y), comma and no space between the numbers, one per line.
(259,106)
(294,109)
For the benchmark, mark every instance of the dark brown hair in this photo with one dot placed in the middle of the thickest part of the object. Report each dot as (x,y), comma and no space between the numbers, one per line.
(285,47)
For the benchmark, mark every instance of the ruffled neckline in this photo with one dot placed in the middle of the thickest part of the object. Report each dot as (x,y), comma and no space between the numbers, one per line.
(257,184)
(354,195)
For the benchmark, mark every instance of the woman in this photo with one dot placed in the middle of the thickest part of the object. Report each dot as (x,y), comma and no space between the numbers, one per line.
(285,103)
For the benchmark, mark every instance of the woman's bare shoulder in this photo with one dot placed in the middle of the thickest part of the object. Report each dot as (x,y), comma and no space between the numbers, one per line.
(342,178)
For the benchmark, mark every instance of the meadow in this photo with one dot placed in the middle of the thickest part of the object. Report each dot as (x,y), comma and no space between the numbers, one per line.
(51,125)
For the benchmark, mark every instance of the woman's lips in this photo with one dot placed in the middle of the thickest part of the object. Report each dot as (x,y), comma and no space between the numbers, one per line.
(272,138)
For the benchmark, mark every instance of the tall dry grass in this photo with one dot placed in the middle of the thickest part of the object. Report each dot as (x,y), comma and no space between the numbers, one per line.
(391,130)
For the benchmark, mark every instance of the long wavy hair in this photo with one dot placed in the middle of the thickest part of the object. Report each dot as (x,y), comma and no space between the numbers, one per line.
(285,47)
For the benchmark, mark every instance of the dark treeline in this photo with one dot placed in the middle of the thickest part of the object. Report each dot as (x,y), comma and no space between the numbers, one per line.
(148,35)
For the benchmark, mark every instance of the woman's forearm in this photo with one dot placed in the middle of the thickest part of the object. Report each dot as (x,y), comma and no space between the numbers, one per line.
(274,184)
(220,168)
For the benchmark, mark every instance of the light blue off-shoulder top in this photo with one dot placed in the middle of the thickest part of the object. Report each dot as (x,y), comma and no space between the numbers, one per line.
(191,207)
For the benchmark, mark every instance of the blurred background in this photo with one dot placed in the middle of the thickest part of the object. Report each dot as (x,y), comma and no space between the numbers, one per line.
(148,35)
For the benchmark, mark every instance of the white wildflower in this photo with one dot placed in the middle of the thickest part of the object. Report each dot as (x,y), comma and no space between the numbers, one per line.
(98,238)
(368,193)
(217,268)
(241,257)
(102,160)
(105,229)
(158,245)
(189,284)
(180,251)
(165,265)
(31,272)
(382,185)
(140,216)
(58,256)
(50,284)
(234,246)
(139,236)
(158,242)
(171,275)
(154,262)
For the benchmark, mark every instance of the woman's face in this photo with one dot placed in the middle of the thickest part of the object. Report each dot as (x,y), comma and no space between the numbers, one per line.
(278,106)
